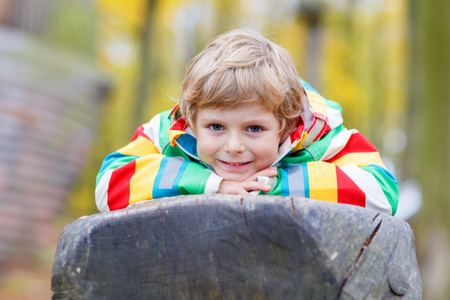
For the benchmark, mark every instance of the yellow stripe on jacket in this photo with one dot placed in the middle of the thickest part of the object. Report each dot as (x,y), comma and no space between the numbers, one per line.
(322,181)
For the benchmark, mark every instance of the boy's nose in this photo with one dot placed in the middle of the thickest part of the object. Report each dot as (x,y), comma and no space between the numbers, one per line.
(234,146)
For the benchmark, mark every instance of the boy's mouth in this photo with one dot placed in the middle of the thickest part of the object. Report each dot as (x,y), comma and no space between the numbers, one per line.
(235,163)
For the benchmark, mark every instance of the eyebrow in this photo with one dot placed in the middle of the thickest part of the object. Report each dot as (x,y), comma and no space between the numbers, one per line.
(260,120)
(247,122)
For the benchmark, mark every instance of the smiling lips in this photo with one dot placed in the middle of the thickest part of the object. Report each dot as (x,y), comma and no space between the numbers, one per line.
(235,164)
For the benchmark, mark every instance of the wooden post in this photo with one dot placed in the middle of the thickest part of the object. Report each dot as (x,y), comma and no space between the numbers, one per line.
(233,247)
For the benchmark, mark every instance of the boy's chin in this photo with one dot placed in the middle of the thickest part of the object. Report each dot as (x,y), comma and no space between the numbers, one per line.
(233,177)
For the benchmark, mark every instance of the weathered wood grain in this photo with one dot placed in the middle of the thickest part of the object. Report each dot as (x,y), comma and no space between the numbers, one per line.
(229,247)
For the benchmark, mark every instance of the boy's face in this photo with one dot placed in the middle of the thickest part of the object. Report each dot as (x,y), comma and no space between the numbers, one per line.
(237,142)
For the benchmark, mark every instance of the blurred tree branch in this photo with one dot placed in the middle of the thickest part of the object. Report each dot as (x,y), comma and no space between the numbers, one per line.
(145,69)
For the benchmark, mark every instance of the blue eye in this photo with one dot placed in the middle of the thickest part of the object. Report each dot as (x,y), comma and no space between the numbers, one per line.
(254,128)
(216,127)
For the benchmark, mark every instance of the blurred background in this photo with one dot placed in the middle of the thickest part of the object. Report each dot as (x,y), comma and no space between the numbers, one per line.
(78,76)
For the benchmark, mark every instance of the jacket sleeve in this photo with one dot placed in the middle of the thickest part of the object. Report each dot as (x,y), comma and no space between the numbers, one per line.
(351,173)
(139,171)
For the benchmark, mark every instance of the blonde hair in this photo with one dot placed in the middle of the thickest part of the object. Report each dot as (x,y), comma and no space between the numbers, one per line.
(239,67)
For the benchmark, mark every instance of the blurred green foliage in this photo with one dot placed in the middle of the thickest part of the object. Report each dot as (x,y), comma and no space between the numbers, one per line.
(71,28)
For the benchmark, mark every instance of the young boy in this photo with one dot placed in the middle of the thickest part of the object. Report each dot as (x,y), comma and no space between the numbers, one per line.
(245,123)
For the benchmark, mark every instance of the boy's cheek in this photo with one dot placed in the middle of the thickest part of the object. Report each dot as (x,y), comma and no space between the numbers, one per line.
(205,149)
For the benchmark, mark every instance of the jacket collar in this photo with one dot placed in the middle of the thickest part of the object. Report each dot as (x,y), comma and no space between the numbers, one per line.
(179,126)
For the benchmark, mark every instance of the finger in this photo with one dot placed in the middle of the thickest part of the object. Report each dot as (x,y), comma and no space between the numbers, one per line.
(238,191)
(269,172)
(231,187)
(256,186)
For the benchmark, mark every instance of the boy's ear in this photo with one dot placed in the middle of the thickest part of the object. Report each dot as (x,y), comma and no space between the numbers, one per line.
(285,135)
(194,129)
(290,126)
(193,126)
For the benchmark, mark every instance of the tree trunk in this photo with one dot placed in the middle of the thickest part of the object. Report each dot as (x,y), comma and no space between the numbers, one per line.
(233,247)
(430,100)
(427,157)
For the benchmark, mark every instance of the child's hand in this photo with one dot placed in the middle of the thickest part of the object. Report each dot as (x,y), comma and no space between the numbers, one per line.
(248,185)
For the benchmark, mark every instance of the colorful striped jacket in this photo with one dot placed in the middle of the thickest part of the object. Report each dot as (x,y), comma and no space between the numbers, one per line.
(321,160)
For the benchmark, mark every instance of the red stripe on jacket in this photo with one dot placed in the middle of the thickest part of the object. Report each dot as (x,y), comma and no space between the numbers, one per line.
(139,132)
(119,186)
(348,191)
(356,144)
